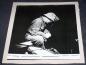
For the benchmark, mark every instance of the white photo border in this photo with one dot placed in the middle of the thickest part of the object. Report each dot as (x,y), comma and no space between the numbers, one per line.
(43,61)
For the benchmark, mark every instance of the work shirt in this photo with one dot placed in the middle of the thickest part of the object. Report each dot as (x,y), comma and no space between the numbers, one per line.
(37,25)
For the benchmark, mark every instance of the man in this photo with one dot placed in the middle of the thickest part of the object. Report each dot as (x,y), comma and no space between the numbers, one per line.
(37,33)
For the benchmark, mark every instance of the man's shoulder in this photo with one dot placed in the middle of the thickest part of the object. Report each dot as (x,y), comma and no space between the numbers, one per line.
(38,19)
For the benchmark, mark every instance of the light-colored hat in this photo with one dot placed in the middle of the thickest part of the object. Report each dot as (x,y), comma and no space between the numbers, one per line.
(52,16)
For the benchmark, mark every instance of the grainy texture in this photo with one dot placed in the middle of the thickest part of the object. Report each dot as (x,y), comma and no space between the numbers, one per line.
(5,11)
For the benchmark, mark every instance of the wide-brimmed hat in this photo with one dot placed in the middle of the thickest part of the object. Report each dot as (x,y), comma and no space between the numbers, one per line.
(52,16)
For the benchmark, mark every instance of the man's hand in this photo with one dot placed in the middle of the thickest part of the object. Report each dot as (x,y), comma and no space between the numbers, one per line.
(47,33)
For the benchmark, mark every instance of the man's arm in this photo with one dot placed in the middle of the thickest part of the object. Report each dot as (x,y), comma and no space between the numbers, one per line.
(45,34)
(41,33)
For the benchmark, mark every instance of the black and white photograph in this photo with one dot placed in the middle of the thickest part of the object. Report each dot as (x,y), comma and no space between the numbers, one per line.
(43,32)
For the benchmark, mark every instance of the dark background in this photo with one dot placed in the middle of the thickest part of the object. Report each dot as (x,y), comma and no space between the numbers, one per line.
(64,31)
(5,11)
